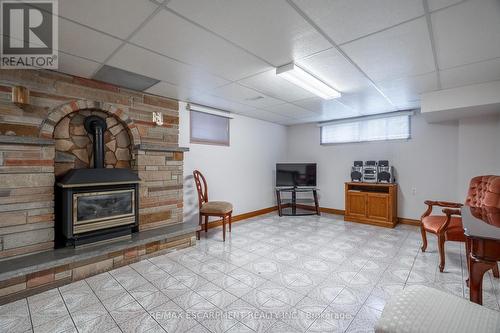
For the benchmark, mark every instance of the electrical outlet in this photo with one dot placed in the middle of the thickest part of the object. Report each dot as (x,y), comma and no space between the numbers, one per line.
(414,191)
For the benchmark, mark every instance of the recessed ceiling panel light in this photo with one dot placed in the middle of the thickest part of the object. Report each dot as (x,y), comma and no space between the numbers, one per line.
(307,81)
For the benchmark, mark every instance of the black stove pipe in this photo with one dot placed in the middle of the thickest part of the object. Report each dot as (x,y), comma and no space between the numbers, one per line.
(96,126)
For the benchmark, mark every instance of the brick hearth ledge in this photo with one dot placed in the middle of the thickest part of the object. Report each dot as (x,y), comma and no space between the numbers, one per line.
(31,274)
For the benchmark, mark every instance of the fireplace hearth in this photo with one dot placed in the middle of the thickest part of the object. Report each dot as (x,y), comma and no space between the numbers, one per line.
(97,204)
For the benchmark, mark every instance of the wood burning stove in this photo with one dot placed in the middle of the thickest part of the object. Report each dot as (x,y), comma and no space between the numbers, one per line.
(94,205)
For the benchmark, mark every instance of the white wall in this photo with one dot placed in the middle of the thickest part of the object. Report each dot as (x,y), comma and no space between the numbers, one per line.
(242,173)
(478,149)
(438,161)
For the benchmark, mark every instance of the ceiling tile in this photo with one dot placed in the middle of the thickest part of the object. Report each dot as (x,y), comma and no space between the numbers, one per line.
(467,33)
(116,17)
(271,29)
(438,4)
(77,66)
(78,40)
(169,90)
(398,52)
(315,119)
(140,61)
(367,101)
(175,37)
(481,72)
(219,103)
(268,116)
(244,95)
(345,20)
(333,68)
(290,110)
(327,109)
(405,92)
(270,84)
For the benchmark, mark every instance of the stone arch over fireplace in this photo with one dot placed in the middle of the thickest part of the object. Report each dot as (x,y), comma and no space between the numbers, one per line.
(57,114)
(73,145)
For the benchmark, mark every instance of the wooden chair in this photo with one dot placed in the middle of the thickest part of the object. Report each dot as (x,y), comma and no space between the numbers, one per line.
(449,227)
(207,208)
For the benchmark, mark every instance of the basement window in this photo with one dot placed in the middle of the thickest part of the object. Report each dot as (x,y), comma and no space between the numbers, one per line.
(395,126)
(208,128)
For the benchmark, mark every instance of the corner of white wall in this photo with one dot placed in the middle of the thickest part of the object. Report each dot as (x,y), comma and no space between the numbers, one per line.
(242,173)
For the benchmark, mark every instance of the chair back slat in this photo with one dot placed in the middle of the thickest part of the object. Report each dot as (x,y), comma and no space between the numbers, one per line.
(201,187)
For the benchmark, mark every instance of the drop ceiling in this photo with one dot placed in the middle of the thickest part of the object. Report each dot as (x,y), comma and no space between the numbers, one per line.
(381,55)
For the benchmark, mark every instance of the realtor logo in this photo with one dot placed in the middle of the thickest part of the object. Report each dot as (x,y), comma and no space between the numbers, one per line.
(29,34)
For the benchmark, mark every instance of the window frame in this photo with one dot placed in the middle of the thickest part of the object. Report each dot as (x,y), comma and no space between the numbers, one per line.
(365,118)
(209,142)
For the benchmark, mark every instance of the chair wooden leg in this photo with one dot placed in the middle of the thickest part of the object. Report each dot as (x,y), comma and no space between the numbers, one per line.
(199,223)
(495,270)
(229,220)
(467,257)
(424,238)
(206,223)
(223,228)
(441,252)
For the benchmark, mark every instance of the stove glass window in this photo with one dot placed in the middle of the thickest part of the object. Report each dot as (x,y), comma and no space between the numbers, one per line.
(103,205)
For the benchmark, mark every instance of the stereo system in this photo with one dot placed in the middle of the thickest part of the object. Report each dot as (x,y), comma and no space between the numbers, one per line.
(385,172)
(357,171)
(372,172)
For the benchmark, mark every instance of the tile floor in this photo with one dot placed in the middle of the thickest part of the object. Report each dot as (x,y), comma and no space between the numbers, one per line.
(290,274)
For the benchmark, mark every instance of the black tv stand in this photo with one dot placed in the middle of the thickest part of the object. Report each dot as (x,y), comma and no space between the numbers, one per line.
(292,204)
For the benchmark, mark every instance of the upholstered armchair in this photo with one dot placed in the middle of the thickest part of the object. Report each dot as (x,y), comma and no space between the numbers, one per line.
(221,209)
(484,191)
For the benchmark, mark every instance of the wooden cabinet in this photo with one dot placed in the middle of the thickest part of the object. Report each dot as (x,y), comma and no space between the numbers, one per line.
(357,204)
(371,203)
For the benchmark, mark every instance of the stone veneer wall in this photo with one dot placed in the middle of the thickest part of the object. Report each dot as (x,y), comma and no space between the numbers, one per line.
(74,146)
(28,151)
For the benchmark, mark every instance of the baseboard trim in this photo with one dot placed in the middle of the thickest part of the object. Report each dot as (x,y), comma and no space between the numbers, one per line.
(333,211)
(413,222)
(244,216)
(321,209)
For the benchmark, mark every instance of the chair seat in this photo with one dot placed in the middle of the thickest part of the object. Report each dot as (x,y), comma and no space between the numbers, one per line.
(216,207)
(454,231)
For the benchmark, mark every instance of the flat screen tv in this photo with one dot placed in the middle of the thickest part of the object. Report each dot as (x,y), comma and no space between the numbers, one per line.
(296,174)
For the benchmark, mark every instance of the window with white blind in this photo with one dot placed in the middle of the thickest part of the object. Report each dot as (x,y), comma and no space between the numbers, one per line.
(208,128)
(371,128)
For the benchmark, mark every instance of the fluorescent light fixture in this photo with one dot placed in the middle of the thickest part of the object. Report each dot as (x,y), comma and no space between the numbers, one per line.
(307,81)
(209,110)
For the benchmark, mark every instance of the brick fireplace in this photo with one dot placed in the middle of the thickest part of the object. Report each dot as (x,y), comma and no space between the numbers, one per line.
(42,140)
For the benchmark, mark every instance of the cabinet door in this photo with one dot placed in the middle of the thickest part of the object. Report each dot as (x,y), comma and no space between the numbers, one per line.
(377,206)
(356,204)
